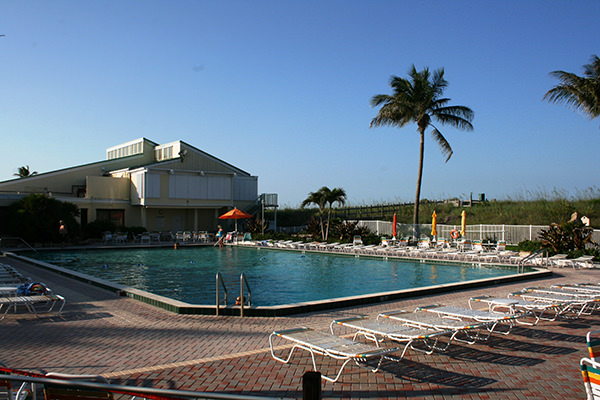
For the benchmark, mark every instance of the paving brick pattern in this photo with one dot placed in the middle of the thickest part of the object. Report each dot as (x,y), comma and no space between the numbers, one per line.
(137,344)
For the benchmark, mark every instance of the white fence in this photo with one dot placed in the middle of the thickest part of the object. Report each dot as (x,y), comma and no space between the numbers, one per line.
(512,234)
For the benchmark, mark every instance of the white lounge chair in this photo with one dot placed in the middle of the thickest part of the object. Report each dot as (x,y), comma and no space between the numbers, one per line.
(463,331)
(378,330)
(565,291)
(466,314)
(328,246)
(517,305)
(593,344)
(318,343)
(556,260)
(590,371)
(579,262)
(581,287)
(573,304)
(342,247)
(32,303)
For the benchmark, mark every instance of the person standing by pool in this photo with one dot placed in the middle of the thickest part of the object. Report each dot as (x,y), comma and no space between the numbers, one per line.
(220,236)
(62,231)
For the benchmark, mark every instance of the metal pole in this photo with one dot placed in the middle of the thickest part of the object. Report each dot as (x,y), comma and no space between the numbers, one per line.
(242,295)
(311,385)
(217,308)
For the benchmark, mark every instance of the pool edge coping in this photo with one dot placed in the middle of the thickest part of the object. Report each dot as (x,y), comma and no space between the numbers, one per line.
(179,307)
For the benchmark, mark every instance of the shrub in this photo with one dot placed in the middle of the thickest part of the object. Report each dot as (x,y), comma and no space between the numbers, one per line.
(256,226)
(95,229)
(313,228)
(572,235)
(346,230)
(35,218)
(529,245)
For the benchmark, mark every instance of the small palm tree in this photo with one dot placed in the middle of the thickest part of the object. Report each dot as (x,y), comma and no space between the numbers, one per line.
(579,92)
(317,198)
(24,172)
(336,195)
(419,99)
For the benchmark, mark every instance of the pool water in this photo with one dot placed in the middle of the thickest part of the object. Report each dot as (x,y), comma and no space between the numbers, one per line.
(274,277)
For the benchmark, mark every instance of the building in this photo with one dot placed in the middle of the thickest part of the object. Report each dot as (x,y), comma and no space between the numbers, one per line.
(168,187)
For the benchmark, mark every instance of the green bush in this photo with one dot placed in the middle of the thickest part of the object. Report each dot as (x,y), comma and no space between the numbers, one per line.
(344,231)
(95,229)
(35,218)
(572,235)
(529,245)
(584,252)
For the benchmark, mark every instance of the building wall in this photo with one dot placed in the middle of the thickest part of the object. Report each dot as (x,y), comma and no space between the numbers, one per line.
(106,187)
(186,189)
(63,182)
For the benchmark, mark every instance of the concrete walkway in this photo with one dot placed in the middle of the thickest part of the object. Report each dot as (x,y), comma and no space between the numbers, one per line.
(136,344)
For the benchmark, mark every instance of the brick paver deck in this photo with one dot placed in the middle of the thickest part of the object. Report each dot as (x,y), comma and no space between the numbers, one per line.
(133,343)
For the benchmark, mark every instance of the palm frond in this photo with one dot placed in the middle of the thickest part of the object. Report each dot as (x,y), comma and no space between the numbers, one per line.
(445,147)
(456,116)
(579,93)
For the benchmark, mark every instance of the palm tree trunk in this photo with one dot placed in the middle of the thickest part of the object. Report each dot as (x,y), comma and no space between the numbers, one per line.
(419,178)
(322,229)
(328,221)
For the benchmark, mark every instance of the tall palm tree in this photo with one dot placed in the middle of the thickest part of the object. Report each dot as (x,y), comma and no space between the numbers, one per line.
(419,99)
(24,172)
(579,92)
(317,198)
(336,195)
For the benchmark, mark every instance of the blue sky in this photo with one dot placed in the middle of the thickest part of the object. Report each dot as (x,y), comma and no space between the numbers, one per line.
(281,89)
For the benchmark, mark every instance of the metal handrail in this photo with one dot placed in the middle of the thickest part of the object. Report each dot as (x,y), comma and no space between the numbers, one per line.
(130,390)
(243,281)
(220,280)
(21,239)
(243,300)
(521,265)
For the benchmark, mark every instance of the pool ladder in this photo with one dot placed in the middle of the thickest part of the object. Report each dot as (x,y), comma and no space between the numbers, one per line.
(220,283)
(543,253)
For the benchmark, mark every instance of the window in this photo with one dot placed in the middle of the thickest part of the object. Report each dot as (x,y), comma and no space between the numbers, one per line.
(129,150)
(117,217)
(164,153)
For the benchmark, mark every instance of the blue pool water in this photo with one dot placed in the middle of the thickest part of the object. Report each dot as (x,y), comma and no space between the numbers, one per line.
(275,277)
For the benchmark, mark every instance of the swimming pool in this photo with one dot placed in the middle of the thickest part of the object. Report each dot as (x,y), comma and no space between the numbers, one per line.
(274,277)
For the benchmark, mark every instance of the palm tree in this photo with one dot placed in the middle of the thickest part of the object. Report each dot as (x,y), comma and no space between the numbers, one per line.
(420,100)
(24,172)
(579,92)
(336,195)
(317,198)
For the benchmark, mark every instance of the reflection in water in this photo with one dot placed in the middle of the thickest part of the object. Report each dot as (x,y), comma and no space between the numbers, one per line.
(434,274)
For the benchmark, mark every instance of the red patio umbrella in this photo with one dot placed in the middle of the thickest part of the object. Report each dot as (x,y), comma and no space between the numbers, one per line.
(394,226)
(235,214)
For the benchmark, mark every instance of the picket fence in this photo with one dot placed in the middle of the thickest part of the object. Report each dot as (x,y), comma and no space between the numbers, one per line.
(512,234)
